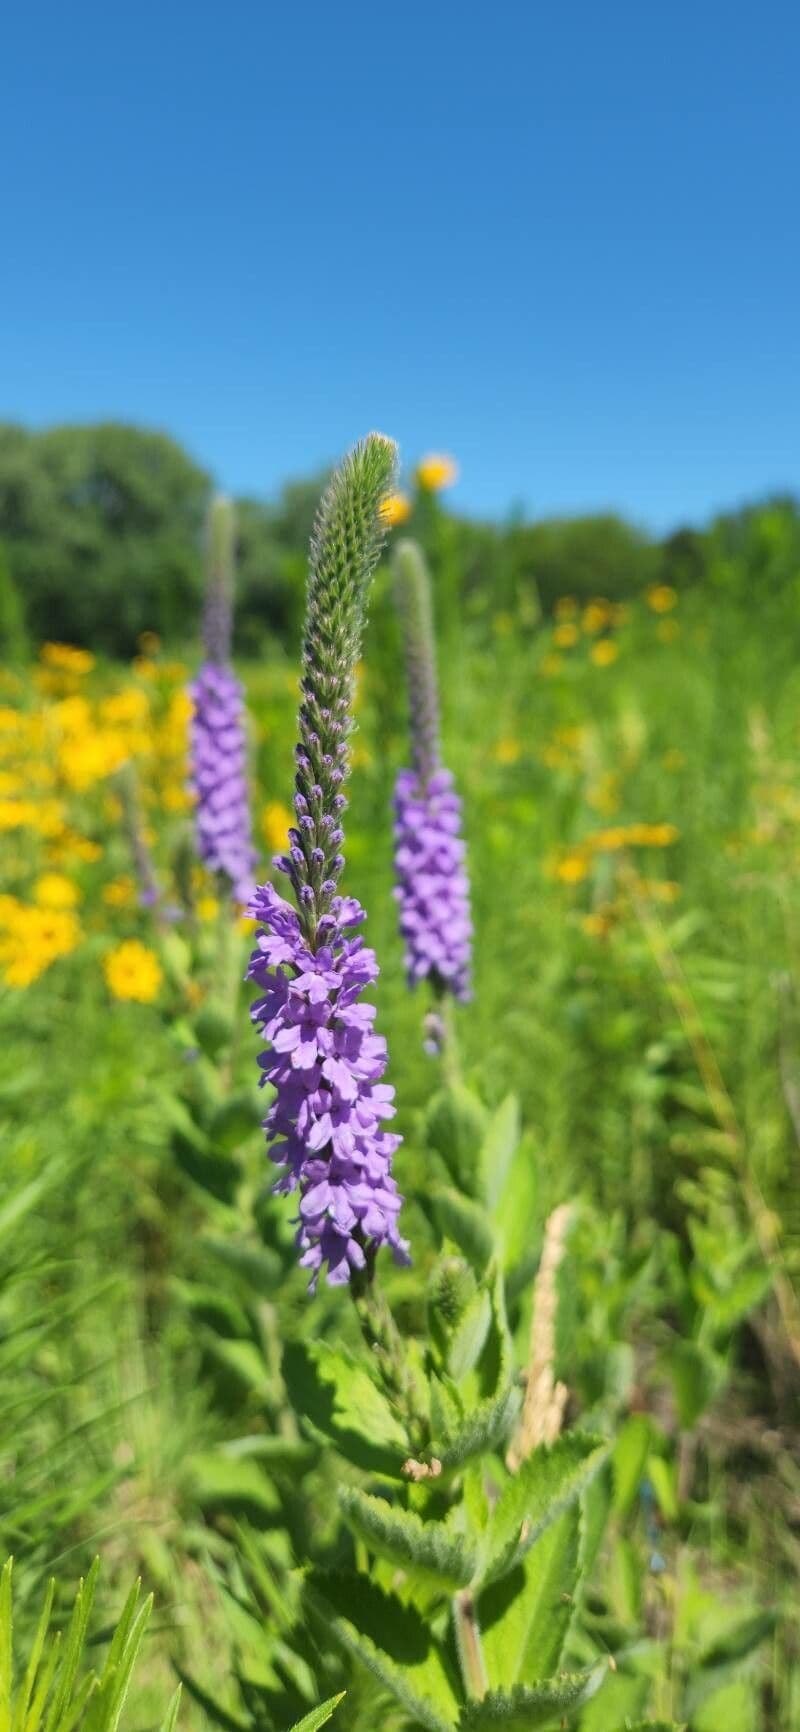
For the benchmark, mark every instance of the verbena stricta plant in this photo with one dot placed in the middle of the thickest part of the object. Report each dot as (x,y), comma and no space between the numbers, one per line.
(324,1060)
(432,884)
(218,741)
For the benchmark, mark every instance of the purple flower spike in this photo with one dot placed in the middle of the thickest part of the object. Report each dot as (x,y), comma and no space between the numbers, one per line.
(218,743)
(432,888)
(432,883)
(326,1065)
(219,777)
(324,1060)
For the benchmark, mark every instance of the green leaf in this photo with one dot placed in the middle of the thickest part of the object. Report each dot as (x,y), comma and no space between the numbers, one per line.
(402,1537)
(727,1309)
(455,1127)
(234,1121)
(466,1223)
(629,1460)
(546,1483)
(662,1477)
(392,1641)
(469,1335)
(260,1269)
(739,1639)
(482,1430)
(217,1174)
(239,1487)
(697,1376)
(244,1359)
(524,1619)
(530,1705)
(318,1716)
(170,1718)
(334,1391)
(498,1149)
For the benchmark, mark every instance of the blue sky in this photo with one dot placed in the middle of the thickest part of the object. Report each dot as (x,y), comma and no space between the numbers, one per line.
(559,241)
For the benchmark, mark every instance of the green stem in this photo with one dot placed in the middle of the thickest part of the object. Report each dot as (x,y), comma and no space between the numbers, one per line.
(468,1642)
(451,1057)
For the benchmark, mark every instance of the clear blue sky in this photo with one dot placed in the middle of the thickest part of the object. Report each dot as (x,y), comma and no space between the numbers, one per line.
(561,241)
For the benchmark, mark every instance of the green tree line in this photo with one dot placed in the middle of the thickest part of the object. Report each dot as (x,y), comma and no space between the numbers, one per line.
(101,538)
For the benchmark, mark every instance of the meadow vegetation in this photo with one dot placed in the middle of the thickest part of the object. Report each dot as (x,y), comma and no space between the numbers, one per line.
(600,1175)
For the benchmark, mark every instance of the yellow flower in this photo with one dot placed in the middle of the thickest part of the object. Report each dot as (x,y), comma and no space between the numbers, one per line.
(598,924)
(34,938)
(565,635)
(662,598)
(275,821)
(566,607)
(604,652)
(660,889)
(395,509)
(207,908)
(596,616)
(119,892)
(53,890)
(9,783)
(66,658)
(610,841)
(603,795)
(507,750)
(176,798)
(436,471)
(131,706)
(133,972)
(572,868)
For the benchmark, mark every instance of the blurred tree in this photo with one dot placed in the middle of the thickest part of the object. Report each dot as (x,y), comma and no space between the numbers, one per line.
(102,528)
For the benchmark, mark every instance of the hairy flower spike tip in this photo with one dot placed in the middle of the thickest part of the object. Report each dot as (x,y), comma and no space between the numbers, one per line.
(432,883)
(324,1060)
(218,743)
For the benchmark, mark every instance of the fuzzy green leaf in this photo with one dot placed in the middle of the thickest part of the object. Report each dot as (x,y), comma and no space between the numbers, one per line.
(524,1619)
(548,1703)
(392,1641)
(456,1127)
(498,1149)
(547,1482)
(482,1430)
(334,1391)
(402,1537)
(466,1223)
(469,1335)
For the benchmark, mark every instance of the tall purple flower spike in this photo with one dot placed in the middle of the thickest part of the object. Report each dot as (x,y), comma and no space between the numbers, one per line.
(326,1064)
(432,888)
(324,1060)
(217,736)
(432,884)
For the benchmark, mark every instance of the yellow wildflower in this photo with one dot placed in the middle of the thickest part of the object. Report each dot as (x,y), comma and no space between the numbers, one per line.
(566,607)
(596,616)
(119,892)
(604,652)
(662,598)
(598,924)
(395,509)
(507,750)
(572,868)
(275,821)
(610,841)
(566,634)
(9,783)
(129,706)
(133,972)
(207,908)
(660,889)
(603,795)
(436,471)
(34,938)
(53,890)
(66,658)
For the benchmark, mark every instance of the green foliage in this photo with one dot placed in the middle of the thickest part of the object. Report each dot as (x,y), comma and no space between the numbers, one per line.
(55,1693)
